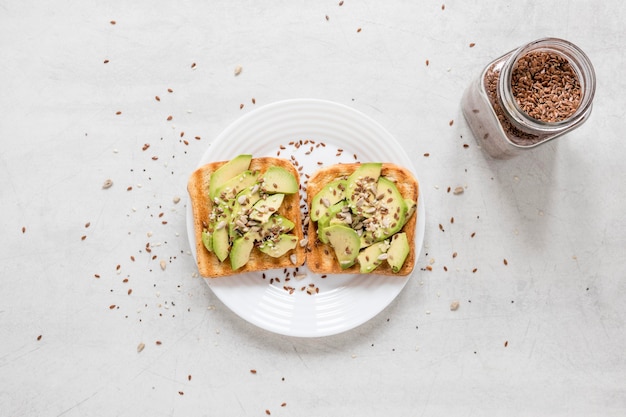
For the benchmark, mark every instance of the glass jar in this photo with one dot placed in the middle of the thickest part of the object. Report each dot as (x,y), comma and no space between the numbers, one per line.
(529,96)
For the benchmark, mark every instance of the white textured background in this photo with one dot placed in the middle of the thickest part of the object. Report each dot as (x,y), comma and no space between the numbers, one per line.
(555,214)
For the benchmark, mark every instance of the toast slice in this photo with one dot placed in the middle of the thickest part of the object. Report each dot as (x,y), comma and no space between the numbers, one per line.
(208,263)
(321,256)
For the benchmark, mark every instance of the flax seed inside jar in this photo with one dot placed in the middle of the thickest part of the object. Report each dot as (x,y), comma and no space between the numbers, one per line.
(530,96)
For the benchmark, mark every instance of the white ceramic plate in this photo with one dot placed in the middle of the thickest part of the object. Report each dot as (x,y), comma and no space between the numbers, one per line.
(311,133)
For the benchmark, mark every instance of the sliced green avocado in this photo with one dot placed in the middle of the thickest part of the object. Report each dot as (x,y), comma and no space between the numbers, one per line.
(366,173)
(227,171)
(394,217)
(345,241)
(232,187)
(241,249)
(331,194)
(265,207)
(220,243)
(243,202)
(370,257)
(279,180)
(398,251)
(411,207)
(324,221)
(207,240)
(278,247)
(278,222)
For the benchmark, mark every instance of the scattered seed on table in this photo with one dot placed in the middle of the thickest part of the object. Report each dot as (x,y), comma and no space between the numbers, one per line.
(157,98)
(505,261)
(107,184)
(106,61)
(169,118)
(169,90)
(23,229)
(458,190)
(39,337)
(471,45)
(193,65)
(238,70)
(118,112)
(451,122)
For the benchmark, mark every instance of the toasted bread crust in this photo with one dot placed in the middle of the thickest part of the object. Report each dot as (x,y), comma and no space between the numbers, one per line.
(208,264)
(321,257)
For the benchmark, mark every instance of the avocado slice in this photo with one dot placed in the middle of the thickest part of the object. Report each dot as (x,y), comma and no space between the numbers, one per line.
(233,186)
(362,177)
(241,249)
(372,256)
(324,221)
(220,243)
(345,241)
(331,194)
(398,251)
(227,171)
(278,180)
(242,204)
(207,240)
(265,207)
(277,223)
(411,207)
(394,215)
(279,246)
